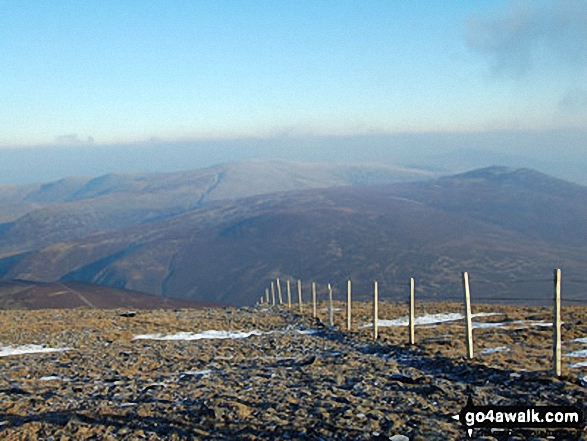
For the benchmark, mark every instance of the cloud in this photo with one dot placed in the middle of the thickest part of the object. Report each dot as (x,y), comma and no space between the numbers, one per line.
(73,139)
(530,37)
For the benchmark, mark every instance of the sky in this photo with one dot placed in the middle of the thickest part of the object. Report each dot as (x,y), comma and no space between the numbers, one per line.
(107,72)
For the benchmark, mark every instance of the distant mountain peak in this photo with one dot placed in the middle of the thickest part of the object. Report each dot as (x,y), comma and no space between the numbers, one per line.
(526,178)
(494,171)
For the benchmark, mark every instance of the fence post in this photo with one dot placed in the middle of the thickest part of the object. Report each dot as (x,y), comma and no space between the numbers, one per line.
(330,307)
(348,305)
(279,293)
(273,293)
(375,311)
(412,309)
(314,312)
(556,348)
(267,296)
(300,294)
(468,323)
(288,294)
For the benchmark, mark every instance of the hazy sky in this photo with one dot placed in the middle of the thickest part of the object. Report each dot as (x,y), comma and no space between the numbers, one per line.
(120,71)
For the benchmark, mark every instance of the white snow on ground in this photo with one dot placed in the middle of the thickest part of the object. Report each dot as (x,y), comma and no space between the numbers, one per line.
(489,325)
(582,353)
(187,336)
(429,319)
(28,349)
(494,350)
(579,354)
(578,365)
(524,324)
(202,372)
(53,377)
(127,404)
(307,331)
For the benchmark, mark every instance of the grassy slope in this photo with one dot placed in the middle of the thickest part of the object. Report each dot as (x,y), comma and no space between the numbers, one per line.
(500,225)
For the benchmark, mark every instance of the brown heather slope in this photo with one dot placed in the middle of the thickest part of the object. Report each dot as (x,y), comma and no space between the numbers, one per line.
(227,251)
(21,294)
(278,383)
(35,216)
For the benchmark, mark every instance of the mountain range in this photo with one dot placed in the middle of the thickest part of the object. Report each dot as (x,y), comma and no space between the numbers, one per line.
(220,235)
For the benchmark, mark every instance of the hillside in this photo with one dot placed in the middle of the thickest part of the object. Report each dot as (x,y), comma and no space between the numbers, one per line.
(504,226)
(21,294)
(35,216)
(271,374)
(523,200)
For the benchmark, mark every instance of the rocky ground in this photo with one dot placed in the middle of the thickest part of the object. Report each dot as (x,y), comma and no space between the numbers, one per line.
(282,375)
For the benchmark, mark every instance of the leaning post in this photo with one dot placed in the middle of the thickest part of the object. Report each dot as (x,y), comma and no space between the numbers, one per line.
(348,305)
(288,294)
(412,313)
(375,311)
(556,347)
(300,295)
(279,292)
(330,307)
(314,312)
(468,323)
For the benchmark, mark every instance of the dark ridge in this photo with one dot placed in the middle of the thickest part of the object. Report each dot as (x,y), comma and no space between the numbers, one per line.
(7,263)
(24,294)
(89,272)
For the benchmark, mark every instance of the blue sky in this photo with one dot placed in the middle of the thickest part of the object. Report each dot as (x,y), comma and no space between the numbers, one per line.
(108,72)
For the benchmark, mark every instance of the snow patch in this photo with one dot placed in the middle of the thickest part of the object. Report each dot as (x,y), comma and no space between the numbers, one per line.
(481,325)
(194,373)
(307,331)
(578,365)
(429,319)
(580,340)
(188,336)
(28,349)
(582,353)
(127,404)
(52,378)
(494,350)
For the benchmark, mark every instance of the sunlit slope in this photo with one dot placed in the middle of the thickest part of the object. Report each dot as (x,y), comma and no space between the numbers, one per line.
(227,251)
(32,217)
(20,294)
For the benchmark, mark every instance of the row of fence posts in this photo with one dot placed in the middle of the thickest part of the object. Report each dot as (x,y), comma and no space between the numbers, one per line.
(557,339)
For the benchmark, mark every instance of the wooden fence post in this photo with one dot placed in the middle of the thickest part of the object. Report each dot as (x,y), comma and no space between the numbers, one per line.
(273,293)
(267,296)
(556,347)
(412,311)
(279,292)
(288,294)
(330,307)
(300,294)
(314,312)
(468,323)
(348,305)
(375,311)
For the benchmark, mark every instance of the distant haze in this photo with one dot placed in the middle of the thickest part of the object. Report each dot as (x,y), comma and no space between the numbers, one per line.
(77,74)
(561,153)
